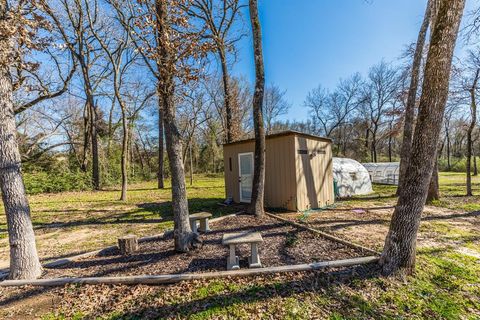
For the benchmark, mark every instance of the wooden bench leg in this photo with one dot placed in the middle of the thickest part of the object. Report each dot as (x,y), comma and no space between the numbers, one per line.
(204,227)
(232,263)
(193,226)
(254,259)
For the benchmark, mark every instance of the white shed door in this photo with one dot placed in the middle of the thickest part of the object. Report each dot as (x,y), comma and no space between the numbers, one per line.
(245,161)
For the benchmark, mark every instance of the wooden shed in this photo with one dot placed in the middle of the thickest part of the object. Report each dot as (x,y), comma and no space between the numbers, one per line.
(298,174)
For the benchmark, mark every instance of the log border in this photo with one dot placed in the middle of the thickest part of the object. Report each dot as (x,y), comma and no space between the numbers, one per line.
(325,235)
(174,278)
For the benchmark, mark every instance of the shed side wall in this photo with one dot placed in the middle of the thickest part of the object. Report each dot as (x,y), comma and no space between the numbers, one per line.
(314,173)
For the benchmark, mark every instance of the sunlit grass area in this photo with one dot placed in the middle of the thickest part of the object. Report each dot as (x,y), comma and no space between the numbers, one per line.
(452,193)
(71,222)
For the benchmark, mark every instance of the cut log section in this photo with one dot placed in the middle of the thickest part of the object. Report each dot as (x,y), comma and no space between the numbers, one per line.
(128,244)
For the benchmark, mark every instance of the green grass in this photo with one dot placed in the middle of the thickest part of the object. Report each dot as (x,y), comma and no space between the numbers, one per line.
(452,194)
(147,211)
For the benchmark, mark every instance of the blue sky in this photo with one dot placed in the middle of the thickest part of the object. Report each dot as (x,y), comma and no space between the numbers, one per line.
(312,42)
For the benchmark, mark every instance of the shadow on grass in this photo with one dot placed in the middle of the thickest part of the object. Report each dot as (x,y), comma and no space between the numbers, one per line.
(212,205)
(147,213)
(346,223)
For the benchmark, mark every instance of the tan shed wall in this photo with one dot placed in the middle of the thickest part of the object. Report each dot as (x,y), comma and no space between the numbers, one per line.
(314,174)
(292,181)
(280,179)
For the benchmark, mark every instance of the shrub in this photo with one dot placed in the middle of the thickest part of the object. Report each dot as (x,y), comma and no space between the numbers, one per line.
(51,182)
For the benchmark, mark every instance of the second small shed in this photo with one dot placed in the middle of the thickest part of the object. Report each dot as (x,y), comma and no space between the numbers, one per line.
(298,171)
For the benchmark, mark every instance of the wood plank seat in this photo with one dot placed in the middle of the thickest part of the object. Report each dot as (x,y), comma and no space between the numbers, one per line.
(237,238)
(203,218)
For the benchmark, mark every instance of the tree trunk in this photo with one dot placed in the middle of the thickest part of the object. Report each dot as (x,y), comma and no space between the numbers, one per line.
(449,165)
(95,159)
(86,137)
(390,144)
(92,110)
(400,244)
(24,262)
(161,152)
(412,97)
(374,146)
(191,163)
(258,189)
(475,169)
(183,235)
(227,95)
(433,188)
(473,122)
(124,164)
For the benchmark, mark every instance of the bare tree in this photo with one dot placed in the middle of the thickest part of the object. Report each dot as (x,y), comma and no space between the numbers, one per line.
(274,105)
(70,22)
(332,110)
(472,90)
(120,56)
(144,35)
(220,26)
(400,244)
(412,96)
(172,48)
(258,189)
(380,93)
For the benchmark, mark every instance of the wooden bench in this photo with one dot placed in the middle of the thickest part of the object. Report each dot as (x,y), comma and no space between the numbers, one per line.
(248,237)
(203,218)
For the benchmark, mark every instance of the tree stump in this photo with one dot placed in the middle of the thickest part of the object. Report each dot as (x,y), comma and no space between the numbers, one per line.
(128,244)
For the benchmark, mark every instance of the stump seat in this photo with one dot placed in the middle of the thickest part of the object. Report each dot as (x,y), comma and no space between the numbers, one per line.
(203,218)
(248,237)
(128,244)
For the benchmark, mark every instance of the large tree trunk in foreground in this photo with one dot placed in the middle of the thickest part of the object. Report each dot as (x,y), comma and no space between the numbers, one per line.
(161,152)
(473,122)
(400,244)
(183,235)
(24,262)
(412,97)
(258,190)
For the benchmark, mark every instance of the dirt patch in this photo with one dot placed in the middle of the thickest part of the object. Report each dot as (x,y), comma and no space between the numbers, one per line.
(27,303)
(283,245)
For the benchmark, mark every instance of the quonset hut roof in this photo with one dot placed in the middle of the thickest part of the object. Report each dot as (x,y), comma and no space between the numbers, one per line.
(350,177)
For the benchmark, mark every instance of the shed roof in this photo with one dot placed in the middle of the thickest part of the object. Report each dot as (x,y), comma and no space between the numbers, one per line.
(280,134)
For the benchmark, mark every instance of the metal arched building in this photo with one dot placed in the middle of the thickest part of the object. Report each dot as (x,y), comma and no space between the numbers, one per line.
(383,172)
